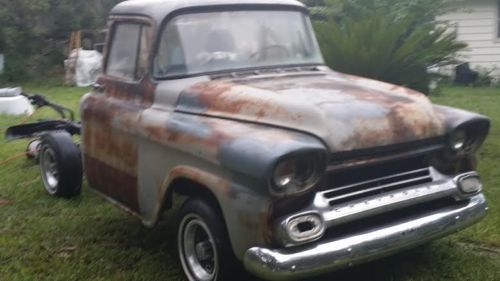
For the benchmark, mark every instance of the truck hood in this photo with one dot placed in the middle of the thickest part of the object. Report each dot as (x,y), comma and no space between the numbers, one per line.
(346,112)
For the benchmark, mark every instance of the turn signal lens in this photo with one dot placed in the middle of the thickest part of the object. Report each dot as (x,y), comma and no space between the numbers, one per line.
(470,184)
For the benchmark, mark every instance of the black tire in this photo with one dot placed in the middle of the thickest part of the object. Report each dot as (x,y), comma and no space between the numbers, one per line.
(60,165)
(206,217)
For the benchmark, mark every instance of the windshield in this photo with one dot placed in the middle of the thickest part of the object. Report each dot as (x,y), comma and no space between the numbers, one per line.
(224,41)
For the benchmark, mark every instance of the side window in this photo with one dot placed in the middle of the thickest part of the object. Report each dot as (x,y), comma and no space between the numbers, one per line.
(142,60)
(128,54)
(170,56)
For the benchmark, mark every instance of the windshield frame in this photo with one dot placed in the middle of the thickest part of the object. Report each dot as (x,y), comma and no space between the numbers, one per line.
(228,8)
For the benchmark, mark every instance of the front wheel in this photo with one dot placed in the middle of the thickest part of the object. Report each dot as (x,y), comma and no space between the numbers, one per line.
(204,249)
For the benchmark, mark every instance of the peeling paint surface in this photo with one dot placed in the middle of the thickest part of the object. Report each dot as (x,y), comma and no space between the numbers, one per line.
(348,113)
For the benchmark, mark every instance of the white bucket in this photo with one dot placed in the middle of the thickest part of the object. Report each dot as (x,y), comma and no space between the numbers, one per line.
(13,103)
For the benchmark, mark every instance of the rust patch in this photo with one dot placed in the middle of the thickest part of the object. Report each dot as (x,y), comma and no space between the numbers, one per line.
(141,92)
(384,114)
(222,97)
(120,186)
(255,225)
(258,225)
(267,218)
(113,148)
(110,138)
(404,122)
(219,185)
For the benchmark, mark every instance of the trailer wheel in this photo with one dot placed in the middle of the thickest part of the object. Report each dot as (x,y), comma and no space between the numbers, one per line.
(204,249)
(60,165)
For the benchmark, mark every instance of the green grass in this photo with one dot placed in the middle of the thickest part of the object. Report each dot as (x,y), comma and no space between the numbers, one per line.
(43,238)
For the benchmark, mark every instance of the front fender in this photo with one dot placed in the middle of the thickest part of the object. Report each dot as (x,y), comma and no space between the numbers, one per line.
(245,148)
(244,212)
(231,159)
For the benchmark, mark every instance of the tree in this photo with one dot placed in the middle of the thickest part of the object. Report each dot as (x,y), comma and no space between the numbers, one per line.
(33,33)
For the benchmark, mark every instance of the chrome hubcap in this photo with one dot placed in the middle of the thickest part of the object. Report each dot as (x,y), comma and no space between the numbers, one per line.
(50,173)
(197,249)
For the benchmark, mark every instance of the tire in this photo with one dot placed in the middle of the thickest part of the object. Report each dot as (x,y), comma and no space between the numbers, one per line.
(60,165)
(202,232)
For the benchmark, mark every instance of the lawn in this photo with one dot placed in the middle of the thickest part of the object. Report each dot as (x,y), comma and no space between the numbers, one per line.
(43,238)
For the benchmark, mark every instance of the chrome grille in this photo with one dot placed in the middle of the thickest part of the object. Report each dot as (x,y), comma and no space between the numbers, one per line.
(375,186)
(361,181)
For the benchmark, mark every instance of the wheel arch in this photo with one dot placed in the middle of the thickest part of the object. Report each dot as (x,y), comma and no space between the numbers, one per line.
(191,188)
(191,182)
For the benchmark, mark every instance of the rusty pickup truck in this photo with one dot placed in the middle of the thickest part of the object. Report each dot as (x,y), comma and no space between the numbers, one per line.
(286,168)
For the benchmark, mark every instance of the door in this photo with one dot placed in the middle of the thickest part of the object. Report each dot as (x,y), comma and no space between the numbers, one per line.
(111,112)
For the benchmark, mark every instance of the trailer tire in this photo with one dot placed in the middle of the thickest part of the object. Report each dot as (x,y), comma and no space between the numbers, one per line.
(60,165)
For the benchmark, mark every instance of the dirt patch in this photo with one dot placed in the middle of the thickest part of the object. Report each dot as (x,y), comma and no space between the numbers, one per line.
(5,202)
(66,252)
(481,248)
(29,183)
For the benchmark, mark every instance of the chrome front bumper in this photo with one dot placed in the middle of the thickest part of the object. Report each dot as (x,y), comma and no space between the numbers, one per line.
(325,256)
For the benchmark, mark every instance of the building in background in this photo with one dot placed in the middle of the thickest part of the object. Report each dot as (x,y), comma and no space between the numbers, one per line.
(477,23)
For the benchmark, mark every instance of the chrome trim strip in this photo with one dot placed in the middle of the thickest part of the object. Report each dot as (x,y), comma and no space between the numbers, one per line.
(325,256)
(408,181)
(375,180)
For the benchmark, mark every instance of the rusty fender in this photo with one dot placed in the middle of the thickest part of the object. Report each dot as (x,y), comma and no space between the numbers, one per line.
(233,160)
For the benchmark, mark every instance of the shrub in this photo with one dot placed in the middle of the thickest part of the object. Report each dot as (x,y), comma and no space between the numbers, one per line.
(484,77)
(388,40)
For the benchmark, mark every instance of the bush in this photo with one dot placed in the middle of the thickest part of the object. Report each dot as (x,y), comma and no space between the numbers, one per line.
(484,77)
(388,40)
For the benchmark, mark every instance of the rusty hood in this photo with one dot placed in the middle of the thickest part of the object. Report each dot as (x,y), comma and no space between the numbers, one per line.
(346,112)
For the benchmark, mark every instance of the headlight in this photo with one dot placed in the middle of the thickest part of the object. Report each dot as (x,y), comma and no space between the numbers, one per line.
(466,139)
(297,173)
(458,141)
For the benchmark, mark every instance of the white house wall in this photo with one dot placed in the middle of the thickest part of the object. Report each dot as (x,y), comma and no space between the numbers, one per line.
(476,23)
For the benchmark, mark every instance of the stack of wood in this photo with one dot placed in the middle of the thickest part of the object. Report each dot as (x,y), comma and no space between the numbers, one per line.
(75,44)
